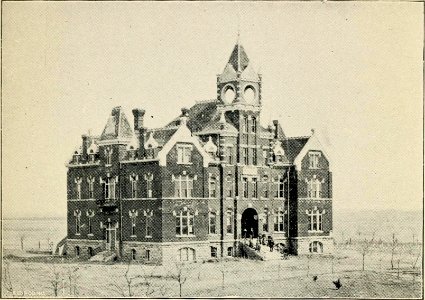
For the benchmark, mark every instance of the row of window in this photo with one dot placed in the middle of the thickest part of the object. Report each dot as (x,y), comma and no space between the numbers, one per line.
(183,187)
(185,222)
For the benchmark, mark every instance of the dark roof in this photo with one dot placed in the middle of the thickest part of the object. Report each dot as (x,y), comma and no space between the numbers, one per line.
(239,59)
(199,115)
(161,135)
(117,126)
(293,146)
(216,126)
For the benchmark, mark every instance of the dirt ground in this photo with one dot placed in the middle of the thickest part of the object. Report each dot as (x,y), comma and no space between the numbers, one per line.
(33,276)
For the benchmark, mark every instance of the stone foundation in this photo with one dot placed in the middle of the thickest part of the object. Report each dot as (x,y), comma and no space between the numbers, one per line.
(302,244)
(84,245)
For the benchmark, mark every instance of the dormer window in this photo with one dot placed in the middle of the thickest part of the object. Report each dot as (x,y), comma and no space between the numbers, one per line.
(184,154)
(314,160)
(76,157)
(91,156)
(149,152)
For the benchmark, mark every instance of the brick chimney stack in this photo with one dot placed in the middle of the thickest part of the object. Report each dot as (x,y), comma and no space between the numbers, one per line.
(139,129)
(276,129)
(86,141)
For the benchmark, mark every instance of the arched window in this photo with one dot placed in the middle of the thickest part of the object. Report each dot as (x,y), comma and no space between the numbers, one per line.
(77,250)
(213,251)
(187,254)
(316,247)
(133,254)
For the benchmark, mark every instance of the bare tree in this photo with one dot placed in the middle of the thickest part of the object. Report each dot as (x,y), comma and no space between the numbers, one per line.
(73,276)
(7,280)
(393,245)
(55,280)
(364,248)
(180,275)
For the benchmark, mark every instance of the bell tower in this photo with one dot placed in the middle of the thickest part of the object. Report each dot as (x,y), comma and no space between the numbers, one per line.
(239,84)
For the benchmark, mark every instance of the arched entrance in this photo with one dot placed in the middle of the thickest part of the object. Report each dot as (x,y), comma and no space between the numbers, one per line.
(249,223)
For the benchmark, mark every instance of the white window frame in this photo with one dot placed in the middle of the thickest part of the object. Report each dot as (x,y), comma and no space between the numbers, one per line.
(245,187)
(183,186)
(279,220)
(254,187)
(229,221)
(77,214)
(314,188)
(148,225)
(315,223)
(109,189)
(184,154)
(133,182)
(185,222)
(313,160)
(149,180)
(212,187)
(90,181)
(212,222)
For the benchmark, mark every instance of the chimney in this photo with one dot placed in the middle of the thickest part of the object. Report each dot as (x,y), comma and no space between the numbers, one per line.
(138,118)
(276,129)
(86,141)
(184,115)
(139,129)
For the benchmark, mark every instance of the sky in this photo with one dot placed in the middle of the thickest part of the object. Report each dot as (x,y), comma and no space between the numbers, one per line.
(350,70)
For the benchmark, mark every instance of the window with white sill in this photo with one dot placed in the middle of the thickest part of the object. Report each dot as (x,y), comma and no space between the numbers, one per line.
(314,187)
(183,186)
(184,223)
(184,154)
(315,217)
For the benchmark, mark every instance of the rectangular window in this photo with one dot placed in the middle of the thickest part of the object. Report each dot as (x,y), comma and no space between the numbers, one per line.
(91,189)
(109,189)
(89,226)
(245,187)
(134,188)
(133,225)
(314,188)
(246,125)
(229,153)
(212,222)
(78,190)
(149,226)
(229,221)
(254,188)
(184,223)
(254,156)
(314,160)
(254,125)
(266,220)
(184,154)
(229,185)
(230,251)
(279,221)
(183,186)
(212,188)
(279,187)
(77,224)
(147,254)
(315,217)
(245,156)
(213,252)
(265,158)
(149,180)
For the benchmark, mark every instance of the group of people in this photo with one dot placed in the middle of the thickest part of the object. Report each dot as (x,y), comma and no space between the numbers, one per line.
(260,240)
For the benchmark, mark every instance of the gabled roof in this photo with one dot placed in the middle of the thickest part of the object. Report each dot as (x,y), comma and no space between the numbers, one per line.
(293,146)
(117,127)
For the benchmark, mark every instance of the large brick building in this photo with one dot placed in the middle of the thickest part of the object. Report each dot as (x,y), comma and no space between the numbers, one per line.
(196,187)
